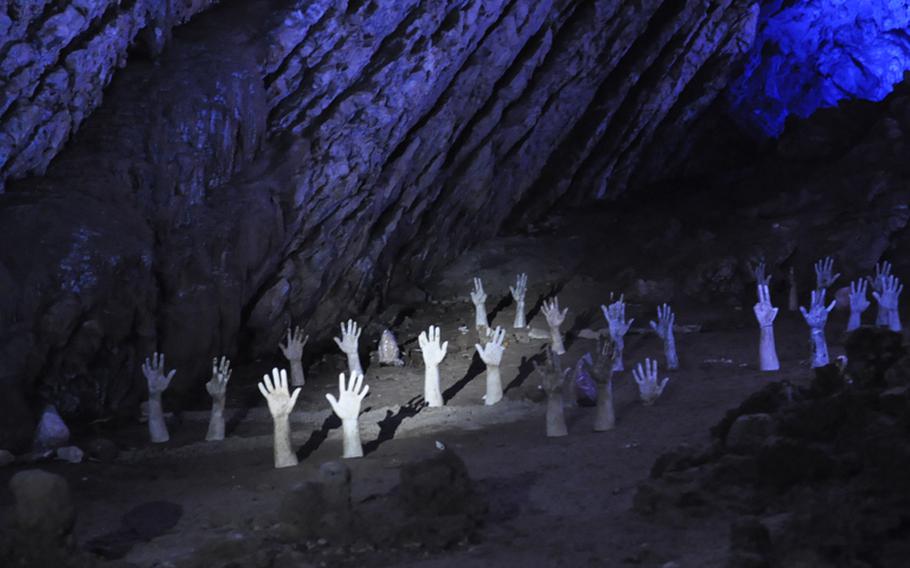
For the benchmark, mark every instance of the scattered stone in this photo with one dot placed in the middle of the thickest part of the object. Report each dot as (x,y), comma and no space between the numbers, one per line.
(52,431)
(6,458)
(537,333)
(102,450)
(44,509)
(591,334)
(70,454)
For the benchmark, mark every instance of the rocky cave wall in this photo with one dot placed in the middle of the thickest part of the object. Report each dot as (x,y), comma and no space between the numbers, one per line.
(55,60)
(811,54)
(301,161)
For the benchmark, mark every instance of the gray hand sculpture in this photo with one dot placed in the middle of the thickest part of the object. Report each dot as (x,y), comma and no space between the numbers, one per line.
(158,381)
(217,389)
(293,352)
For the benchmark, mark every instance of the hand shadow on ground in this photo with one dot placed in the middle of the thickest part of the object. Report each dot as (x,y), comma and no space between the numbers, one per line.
(389,425)
(526,367)
(476,367)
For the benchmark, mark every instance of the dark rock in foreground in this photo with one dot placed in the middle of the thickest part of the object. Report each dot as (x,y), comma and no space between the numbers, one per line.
(817,476)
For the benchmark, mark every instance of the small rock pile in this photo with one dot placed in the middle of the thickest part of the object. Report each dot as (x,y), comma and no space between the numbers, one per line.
(813,476)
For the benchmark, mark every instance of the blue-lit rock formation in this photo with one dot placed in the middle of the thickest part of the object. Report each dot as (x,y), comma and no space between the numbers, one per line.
(56,58)
(299,161)
(810,54)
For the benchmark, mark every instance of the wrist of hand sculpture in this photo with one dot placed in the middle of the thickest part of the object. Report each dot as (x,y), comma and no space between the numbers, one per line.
(518,294)
(275,391)
(819,349)
(601,368)
(553,377)
(433,353)
(157,381)
(347,407)
(767,350)
(348,343)
(555,318)
(765,314)
(478,298)
(217,389)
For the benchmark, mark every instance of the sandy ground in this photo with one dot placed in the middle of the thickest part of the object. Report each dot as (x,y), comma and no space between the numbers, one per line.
(554,502)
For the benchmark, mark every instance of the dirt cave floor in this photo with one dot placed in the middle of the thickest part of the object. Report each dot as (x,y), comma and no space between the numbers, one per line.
(552,502)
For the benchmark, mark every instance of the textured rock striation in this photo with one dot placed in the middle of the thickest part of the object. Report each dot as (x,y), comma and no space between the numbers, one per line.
(300,161)
(56,58)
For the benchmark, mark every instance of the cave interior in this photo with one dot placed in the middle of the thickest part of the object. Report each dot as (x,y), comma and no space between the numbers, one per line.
(607,283)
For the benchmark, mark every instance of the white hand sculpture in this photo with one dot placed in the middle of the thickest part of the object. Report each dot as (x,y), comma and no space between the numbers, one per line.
(157,382)
(491,355)
(882,272)
(615,315)
(663,327)
(217,388)
(858,304)
(824,273)
(555,317)
(347,407)
(758,271)
(350,335)
(389,354)
(433,354)
(888,300)
(816,317)
(281,403)
(793,303)
(293,352)
(765,314)
(518,294)
(602,371)
(478,297)
(553,378)
(648,388)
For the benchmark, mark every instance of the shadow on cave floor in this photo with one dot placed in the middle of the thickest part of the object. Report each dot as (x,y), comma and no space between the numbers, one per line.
(504,303)
(525,368)
(551,293)
(318,436)
(474,370)
(389,425)
(140,524)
